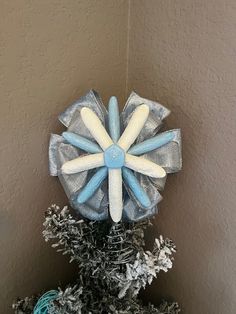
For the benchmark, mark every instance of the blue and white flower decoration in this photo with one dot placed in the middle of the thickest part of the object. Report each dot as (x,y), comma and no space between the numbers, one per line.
(101,146)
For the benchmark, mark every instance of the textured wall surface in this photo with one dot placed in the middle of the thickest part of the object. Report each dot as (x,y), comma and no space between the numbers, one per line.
(183,53)
(51,52)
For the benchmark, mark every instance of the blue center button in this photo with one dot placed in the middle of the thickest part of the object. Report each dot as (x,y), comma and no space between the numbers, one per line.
(114,156)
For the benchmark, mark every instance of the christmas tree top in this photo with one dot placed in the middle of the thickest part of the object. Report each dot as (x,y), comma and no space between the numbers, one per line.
(111,166)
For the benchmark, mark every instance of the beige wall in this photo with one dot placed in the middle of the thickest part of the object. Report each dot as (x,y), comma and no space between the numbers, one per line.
(183,53)
(50,53)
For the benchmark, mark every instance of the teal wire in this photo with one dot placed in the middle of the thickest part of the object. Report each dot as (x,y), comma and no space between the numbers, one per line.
(43,303)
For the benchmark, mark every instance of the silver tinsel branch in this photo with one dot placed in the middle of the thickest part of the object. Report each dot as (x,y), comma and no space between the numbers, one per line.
(113,265)
(69,302)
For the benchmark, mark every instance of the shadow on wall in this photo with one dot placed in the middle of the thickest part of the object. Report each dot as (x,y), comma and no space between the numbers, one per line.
(177,57)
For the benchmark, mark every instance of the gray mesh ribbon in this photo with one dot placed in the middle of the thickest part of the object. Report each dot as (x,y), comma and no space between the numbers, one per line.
(96,208)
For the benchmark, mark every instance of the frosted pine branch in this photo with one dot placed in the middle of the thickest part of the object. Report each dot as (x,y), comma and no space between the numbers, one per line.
(113,266)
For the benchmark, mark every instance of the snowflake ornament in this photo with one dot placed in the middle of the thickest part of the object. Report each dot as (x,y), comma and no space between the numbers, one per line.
(116,156)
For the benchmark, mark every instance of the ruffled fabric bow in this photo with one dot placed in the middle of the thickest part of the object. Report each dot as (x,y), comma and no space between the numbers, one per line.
(111,165)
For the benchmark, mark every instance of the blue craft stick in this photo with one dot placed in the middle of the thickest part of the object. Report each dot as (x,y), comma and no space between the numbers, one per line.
(136,188)
(90,188)
(114,119)
(152,143)
(81,142)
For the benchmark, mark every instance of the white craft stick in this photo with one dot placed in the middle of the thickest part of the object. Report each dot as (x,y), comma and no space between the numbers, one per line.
(94,125)
(115,194)
(134,127)
(144,166)
(83,163)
